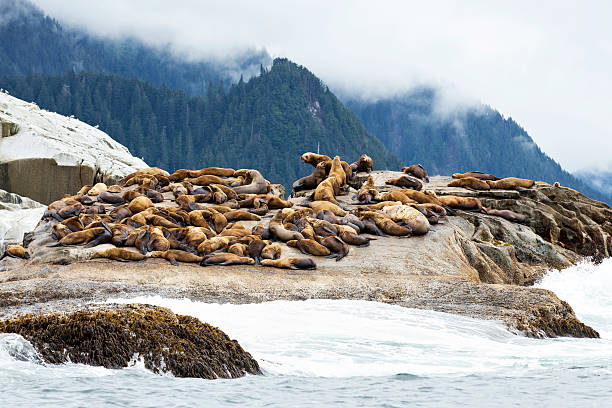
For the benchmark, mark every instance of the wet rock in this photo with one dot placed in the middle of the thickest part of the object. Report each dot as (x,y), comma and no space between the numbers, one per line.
(112,335)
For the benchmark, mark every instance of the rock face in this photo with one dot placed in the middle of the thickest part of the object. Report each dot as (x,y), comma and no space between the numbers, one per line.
(112,336)
(18,215)
(44,155)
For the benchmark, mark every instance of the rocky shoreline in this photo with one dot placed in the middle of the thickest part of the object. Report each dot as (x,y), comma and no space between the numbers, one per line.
(471,264)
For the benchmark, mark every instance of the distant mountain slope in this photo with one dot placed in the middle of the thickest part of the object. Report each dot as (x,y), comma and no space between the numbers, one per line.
(265,123)
(599,180)
(475,139)
(32,42)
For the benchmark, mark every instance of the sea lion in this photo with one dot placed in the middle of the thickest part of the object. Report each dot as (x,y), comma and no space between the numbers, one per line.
(510,183)
(406,182)
(194,236)
(364,164)
(290,263)
(227,259)
(159,221)
(309,246)
(120,213)
(237,215)
(470,182)
(257,184)
(386,224)
(238,249)
(255,248)
(121,233)
(154,195)
(367,192)
(462,203)
(327,206)
(280,232)
(338,172)
(370,227)
(84,190)
(149,171)
(271,251)
(206,180)
(422,197)
(314,159)
(327,216)
(129,195)
(380,205)
(212,171)
(213,244)
(115,188)
(409,216)
(139,204)
(394,195)
(335,245)
(174,255)
(95,209)
(418,171)
(476,174)
(97,189)
(327,191)
(63,208)
(353,221)
(311,181)
(119,254)
(110,198)
(15,251)
(74,224)
(59,231)
(508,215)
(96,236)
(351,236)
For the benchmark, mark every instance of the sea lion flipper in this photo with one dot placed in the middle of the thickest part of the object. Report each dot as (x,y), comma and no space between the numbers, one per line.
(173,261)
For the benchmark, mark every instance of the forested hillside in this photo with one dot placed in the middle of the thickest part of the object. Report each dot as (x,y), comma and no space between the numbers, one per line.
(32,42)
(265,123)
(473,139)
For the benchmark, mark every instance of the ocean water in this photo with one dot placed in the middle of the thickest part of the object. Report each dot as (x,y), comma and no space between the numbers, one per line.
(341,353)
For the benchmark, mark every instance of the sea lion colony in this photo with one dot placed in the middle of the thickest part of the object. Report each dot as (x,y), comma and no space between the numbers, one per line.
(195,215)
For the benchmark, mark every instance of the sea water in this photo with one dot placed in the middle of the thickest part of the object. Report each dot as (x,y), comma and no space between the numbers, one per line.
(349,354)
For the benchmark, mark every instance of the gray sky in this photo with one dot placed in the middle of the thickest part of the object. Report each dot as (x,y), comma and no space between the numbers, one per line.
(546,64)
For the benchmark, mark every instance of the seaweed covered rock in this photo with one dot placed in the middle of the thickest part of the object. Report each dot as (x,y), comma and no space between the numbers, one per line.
(111,336)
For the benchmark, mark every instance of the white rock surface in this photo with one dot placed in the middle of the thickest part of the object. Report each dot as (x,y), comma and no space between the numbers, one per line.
(70,142)
(18,215)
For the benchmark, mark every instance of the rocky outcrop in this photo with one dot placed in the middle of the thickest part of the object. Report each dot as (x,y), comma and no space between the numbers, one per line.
(113,336)
(18,215)
(44,155)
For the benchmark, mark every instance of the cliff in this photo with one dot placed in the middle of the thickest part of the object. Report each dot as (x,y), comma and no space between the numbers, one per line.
(44,155)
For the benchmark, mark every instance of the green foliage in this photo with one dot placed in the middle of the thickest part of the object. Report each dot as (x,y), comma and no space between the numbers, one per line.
(473,139)
(265,123)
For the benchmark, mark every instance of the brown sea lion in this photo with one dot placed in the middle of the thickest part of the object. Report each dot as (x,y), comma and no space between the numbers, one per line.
(206,180)
(119,254)
(418,171)
(314,159)
(476,174)
(510,183)
(280,232)
(212,171)
(327,206)
(380,205)
(139,204)
(257,184)
(351,236)
(238,249)
(157,240)
(408,216)
(238,215)
(290,263)
(255,249)
(111,198)
(129,195)
(367,192)
(311,181)
(394,195)
(174,255)
(59,231)
(120,213)
(97,189)
(271,251)
(309,246)
(154,195)
(470,182)
(335,245)
(364,164)
(95,209)
(386,224)
(338,172)
(90,237)
(115,188)
(84,190)
(149,171)
(422,197)
(213,244)
(327,191)
(406,182)
(462,203)
(508,215)
(15,251)
(74,224)
(227,259)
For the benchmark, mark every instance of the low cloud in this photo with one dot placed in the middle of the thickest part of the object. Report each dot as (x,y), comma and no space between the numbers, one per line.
(546,64)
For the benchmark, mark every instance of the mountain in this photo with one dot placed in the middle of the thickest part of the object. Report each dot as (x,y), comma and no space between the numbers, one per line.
(32,42)
(600,180)
(264,123)
(479,138)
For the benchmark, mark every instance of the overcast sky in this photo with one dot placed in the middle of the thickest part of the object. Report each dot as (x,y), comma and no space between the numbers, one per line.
(545,64)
